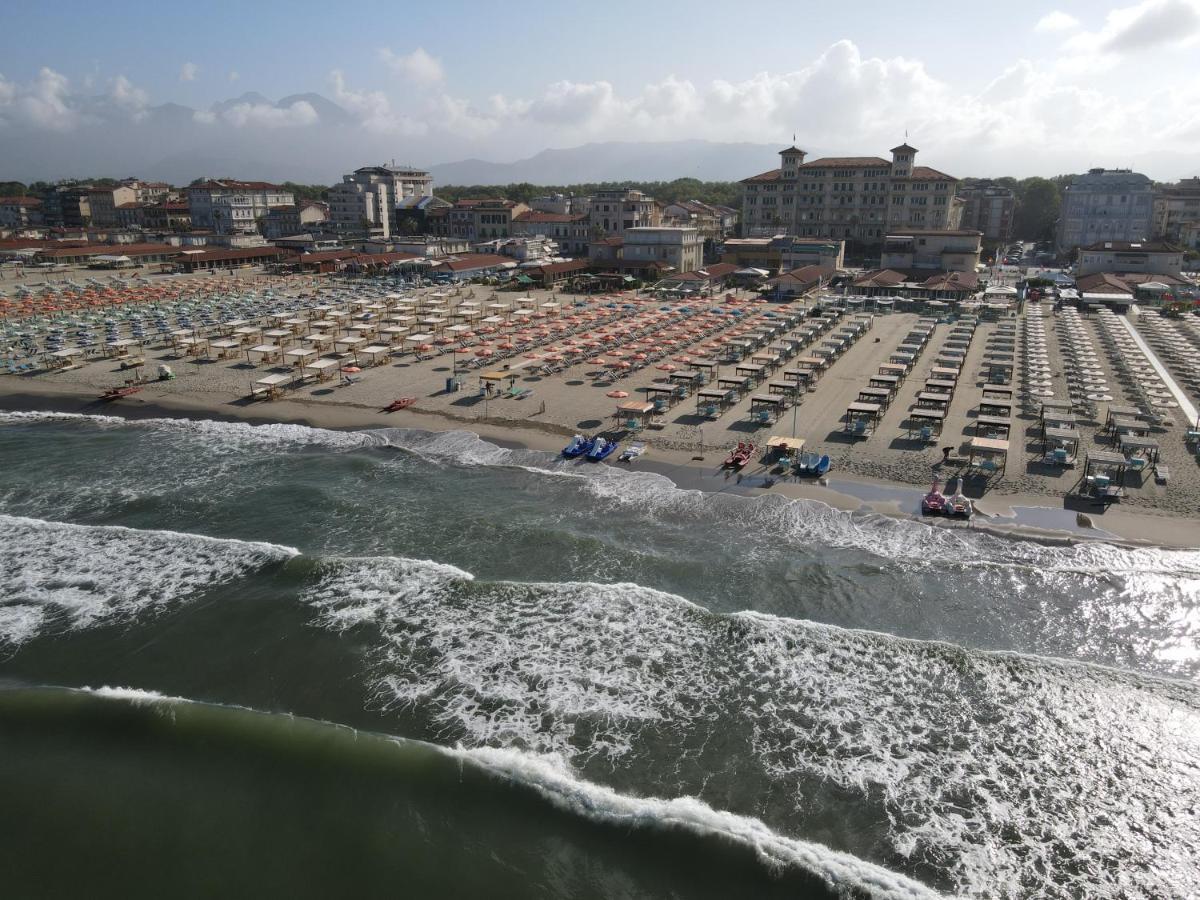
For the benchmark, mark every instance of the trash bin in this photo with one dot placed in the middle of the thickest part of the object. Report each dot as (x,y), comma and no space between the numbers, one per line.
(451,385)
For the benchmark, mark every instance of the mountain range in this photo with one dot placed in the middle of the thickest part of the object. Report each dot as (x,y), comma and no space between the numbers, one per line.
(311,139)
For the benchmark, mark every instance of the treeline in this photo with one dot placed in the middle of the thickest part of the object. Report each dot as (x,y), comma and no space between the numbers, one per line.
(716,193)
(37,188)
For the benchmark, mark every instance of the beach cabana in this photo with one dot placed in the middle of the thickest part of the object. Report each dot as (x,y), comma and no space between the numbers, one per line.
(1141,452)
(663,397)
(373,353)
(737,385)
(299,355)
(861,419)
(881,397)
(712,403)
(747,370)
(1103,475)
(322,369)
(1060,446)
(926,423)
(265,352)
(634,413)
(988,455)
(765,409)
(780,447)
(270,386)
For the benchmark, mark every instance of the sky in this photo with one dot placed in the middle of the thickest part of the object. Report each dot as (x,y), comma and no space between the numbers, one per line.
(1019,88)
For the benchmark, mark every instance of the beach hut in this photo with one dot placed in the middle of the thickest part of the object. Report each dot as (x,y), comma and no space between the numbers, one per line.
(861,419)
(988,455)
(1103,476)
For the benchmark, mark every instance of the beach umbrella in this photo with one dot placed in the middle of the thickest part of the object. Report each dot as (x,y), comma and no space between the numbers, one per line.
(351,370)
(484,351)
(617,395)
(598,361)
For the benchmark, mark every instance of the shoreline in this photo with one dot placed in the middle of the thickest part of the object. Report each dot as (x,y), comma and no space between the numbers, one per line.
(1022,516)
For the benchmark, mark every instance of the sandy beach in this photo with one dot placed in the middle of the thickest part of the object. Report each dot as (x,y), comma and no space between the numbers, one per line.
(886,473)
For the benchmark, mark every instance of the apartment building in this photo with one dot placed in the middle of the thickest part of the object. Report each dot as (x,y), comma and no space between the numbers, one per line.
(285,221)
(68,205)
(856,198)
(228,206)
(681,248)
(990,209)
(615,212)
(711,221)
(20,212)
(570,232)
(104,203)
(476,219)
(1105,205)
(935,251)
(1151,257)
(1175,207)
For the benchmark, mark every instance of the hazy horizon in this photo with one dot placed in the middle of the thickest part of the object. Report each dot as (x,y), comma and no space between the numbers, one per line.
(1035,89)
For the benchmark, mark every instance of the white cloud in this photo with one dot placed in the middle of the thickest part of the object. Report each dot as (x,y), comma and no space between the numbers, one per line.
(1143,26)
(266,116)
(43,104)
(127,96)
(233,76)
(373,108)
(417,66)
(1056,21)
(187,72)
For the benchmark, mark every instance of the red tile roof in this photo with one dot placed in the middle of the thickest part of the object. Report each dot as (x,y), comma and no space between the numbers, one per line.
(880,278)
(100,249)
(772,175)
(846,162)
(570,265)
(223,255)
(924,173)
(806,274)
(538,217)
(952,281)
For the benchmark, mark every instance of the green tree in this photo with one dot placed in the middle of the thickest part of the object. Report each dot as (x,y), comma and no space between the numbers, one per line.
(1039,202)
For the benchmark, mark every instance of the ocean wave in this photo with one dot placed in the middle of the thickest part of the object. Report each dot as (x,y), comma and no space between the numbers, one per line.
(993,769)
(81,575)
(548,778)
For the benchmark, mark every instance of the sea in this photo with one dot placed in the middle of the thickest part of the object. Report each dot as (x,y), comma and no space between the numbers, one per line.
(280,661)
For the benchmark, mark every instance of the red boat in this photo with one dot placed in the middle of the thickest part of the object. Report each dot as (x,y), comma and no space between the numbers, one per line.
(402,403)
(739,456)
(117,393)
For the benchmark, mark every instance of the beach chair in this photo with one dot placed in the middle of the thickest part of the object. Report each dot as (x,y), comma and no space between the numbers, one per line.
(633,425)
(926,434)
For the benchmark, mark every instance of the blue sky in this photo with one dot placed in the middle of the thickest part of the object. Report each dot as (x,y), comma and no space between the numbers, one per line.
(1018,87)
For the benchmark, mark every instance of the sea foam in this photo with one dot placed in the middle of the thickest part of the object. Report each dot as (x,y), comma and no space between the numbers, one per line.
(80,575)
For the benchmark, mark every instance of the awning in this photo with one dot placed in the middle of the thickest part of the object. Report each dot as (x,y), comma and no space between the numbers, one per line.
(524,279)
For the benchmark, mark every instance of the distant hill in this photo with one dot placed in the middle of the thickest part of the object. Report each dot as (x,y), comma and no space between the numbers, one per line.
(618,161)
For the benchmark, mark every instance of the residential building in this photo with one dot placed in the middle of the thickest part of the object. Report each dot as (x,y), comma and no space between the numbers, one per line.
(856,198)
(615,212)
(1105,205)
(570,232)
(67,205)
(560,204)
(167,215)
(936,251)
(365,203)
(713,222)
(284,221)
(1175,207)
(104,202)
(225,205)
(1150,257)
(681,248)
(20,212)
(412,214)
(478,220)
(1189,235)
(988,208)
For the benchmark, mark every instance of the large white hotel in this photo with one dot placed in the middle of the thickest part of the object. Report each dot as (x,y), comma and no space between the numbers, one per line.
(854,198)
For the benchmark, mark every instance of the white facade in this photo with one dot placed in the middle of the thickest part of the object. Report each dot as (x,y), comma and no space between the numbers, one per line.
(681,248)
(234,207)
(1154,257)
(366,199)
